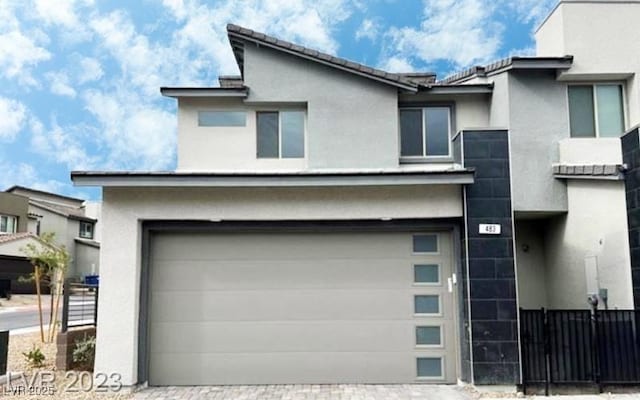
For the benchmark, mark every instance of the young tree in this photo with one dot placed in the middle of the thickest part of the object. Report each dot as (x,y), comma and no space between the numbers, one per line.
(48,259)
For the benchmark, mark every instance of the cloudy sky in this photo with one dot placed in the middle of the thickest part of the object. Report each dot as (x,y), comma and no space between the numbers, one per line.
(79,79)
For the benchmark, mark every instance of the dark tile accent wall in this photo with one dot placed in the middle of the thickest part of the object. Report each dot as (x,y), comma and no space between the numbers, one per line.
(491,275)
(631,157)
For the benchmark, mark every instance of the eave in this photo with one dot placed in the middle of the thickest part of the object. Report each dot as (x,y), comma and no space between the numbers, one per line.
(269,179)
(204,92)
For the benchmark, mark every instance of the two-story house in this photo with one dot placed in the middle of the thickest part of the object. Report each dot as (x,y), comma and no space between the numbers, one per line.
(330,222)
(26,213)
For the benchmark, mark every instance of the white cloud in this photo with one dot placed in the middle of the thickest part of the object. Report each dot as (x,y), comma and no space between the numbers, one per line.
(462,32)
(139,136)
(18,54)
(27,175)
(90,70)
(369,29)
(59,84)
(397,64)
(12,118)
(530,11)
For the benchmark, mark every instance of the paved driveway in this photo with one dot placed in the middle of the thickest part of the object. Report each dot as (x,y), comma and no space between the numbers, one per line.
(307,392)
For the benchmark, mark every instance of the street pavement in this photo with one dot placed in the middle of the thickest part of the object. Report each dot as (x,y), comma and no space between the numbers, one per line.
(22,317)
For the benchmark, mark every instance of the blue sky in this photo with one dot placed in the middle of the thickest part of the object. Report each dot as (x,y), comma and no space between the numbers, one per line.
(79,79)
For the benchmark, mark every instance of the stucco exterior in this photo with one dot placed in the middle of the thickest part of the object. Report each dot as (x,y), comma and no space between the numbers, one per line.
(123,211)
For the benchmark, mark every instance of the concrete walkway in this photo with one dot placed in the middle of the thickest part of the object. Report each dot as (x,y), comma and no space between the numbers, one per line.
(307,392)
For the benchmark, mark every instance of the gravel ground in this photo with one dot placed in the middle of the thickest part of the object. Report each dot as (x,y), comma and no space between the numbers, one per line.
(19,344)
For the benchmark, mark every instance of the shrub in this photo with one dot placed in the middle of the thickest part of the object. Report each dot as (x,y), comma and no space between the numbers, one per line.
(34,357)
(84,353)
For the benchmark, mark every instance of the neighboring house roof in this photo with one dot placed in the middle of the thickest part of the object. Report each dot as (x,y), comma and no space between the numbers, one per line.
(68,212)
(510,63)
(4,238)
(10,245)
(239,35)
(273,179)
(26,189)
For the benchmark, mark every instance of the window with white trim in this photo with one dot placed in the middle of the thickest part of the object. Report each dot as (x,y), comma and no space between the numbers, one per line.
(8,224)
(425,132)
(596,110)
(86,230)
(280,134)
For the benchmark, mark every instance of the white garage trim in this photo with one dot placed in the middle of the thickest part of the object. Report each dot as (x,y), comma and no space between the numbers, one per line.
(151,227)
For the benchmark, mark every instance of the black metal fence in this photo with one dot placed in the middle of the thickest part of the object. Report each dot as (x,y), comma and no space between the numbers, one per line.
(80,305)
(580,347)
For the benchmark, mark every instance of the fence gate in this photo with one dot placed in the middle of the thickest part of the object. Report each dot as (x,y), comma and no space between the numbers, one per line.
(580,347)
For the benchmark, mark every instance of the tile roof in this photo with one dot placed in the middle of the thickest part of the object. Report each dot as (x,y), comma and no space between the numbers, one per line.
(5,238)
(603,171)
(69,212)
(238,35)
(482,71)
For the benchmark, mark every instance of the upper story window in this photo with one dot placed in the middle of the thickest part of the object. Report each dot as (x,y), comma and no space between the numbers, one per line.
(596,110)
(425,132)
(280,134)
(86,230)
(8,224)
(222,118)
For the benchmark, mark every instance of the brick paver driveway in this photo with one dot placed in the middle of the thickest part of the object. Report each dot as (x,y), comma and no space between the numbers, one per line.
(306,392)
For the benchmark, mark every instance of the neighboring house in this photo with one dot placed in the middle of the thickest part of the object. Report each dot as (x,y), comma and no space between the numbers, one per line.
(14,218)
(73,221)
(329,222)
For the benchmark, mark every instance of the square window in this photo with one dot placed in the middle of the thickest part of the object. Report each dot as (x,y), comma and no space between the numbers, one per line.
(86,230)
(427,304)
(280,134)
(596,110)
(426,273)
(429,367)
(425,132)
(428,336)
(8,224)
(222,118)
(425,243)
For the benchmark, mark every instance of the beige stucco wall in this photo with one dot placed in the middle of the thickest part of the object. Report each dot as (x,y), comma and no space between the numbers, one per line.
(596,225)
(124,209)
(530,256)
(590,151)
(86,259)
(603,37)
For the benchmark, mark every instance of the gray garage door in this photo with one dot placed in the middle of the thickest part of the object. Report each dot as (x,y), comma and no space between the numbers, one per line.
(301,308)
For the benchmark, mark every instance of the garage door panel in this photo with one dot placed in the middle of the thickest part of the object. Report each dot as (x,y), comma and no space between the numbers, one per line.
(309,336)
(283,274)
(277,307)
(265,368)
(279,246)
(259,305)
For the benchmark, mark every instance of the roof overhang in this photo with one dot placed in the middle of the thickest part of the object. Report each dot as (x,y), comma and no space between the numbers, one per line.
(475,88)
(301,179)
(204,92)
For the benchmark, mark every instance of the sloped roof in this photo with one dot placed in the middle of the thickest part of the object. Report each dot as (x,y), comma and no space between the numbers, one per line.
(239,35)
(5,238)
(69,212)
(510,63)
(26,189)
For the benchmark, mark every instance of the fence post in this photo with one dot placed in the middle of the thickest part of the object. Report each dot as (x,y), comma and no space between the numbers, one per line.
(547,351)
(596,347)
(66,291)
(95,306)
